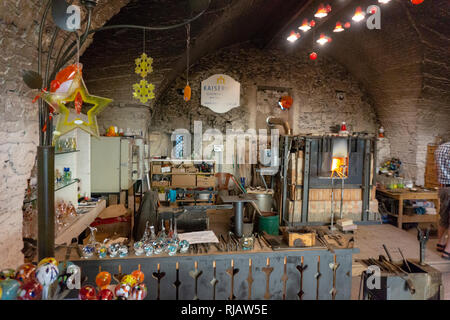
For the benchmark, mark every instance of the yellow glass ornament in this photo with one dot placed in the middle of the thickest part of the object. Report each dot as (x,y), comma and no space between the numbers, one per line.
(143,91)
(144,65)
(48,260)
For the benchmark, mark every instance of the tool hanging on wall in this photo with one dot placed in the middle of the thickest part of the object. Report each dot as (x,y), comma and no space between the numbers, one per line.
(214,281)
(317,276)
(301,268)
(195,274)
(177,282)
(232,272)
(267,270)
(250,279)
(284,278)
(158,276)
(334,266)
(187,89)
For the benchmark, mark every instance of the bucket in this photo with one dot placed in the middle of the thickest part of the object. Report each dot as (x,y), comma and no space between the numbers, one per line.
(269,222)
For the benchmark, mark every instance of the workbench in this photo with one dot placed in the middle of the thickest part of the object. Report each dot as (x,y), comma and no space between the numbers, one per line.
(404,194)
(257,274)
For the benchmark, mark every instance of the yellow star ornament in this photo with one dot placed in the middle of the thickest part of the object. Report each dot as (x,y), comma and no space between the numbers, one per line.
(78,94)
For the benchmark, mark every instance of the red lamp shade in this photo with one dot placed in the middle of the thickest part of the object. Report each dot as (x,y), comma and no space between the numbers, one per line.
(338,27)
(359,15)
(321,11)
(294,36)
(305,26)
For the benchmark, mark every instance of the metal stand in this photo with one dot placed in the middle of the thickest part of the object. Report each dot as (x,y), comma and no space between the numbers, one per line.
(46,202)
(238,204)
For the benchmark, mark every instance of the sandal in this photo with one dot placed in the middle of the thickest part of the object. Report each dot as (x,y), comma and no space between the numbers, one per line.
(440,247)
(446,255)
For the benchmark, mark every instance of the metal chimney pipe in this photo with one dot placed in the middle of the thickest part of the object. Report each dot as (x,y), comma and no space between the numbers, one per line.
(273,121)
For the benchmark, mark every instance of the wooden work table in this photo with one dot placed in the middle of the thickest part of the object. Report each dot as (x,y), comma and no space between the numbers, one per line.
(405,194)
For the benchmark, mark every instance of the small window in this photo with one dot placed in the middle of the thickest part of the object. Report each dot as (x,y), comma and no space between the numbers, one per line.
(179,147)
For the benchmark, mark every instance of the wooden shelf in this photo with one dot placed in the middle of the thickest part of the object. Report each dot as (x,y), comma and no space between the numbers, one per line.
(417,218)
(81,222)
(186,173)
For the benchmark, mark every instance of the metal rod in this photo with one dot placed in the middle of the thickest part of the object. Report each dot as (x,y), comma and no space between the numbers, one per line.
(46,202)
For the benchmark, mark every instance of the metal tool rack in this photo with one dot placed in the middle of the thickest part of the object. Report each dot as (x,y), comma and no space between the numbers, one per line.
(258,281)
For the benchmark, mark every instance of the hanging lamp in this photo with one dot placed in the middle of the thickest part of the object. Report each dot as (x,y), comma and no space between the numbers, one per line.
(305,26)
(294,36)
(338,27)
(359,15)
(323,39)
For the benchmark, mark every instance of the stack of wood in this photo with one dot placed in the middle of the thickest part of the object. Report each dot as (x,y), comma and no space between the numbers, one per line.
(346,225)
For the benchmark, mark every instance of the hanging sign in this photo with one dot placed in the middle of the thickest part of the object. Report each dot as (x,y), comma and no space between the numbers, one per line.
(220,93)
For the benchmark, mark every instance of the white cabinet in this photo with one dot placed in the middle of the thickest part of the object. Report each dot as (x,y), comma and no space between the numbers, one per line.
(111,164)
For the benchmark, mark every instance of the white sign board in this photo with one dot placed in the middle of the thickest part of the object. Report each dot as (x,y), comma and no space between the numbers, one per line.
(220,93)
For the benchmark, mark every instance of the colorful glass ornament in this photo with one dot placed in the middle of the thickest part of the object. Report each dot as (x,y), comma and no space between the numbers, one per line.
(1,292)
(285,102)
(105,294)
(138,248)
(139,292)
(184,246)
(46,274)
(129,279)
(122,290)
(139,275)
(113,250)
(74,89)
(7,274)
(10,288)
(31,290)
(123,251)
(48,260)
(87,293)
(143,91)
(103,279)
(26,272)
(187,93)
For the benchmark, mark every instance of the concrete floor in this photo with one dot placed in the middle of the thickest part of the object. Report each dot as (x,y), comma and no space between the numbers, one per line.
(370,240)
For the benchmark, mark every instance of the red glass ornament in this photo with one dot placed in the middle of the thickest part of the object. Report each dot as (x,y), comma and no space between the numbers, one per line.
(105,294)
(347,25)
(416,1)
(313,56)
(312,23)
(78,103)
(373,10)
(87,293)
(328,8)
(30,290)
(26,272)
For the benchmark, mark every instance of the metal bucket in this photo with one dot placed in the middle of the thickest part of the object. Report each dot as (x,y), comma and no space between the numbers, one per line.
(264,201)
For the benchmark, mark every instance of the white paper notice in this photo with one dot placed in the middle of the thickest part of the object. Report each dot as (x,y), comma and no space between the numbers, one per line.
(199,237)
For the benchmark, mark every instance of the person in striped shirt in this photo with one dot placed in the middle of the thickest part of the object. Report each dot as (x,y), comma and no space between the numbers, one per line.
(442,156)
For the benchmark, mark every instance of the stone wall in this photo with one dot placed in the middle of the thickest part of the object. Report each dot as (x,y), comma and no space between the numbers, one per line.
(19,30)
(266,75)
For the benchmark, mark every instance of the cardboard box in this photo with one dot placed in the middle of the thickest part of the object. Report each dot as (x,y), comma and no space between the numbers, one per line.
(160,183)
(191,169)
(206,181)
(166,169)
(113,211)
(156,169)
(183,180)
(178,170)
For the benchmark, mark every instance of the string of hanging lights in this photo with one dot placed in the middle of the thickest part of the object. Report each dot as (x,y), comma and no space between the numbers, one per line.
(323,11)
